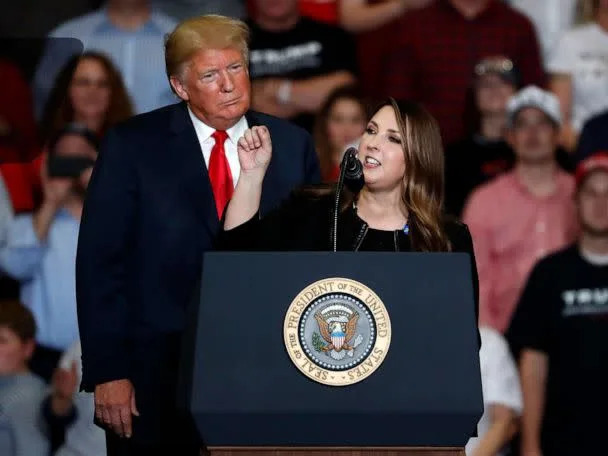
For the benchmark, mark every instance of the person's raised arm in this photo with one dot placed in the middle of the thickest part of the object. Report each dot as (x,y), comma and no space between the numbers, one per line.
(304,96)
(309,95)
(255,150)
(561,86)
(562,67)
(529,338)
(533,366)
(55,193)
(360,16)
(475,217)
(502,429)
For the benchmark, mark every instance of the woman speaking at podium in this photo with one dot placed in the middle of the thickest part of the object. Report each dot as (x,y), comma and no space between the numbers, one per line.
(399,207)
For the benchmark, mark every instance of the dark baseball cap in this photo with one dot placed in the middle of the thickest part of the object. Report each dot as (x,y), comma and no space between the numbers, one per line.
(501,66)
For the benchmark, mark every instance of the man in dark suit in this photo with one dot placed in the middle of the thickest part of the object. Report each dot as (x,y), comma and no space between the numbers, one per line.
(160,185)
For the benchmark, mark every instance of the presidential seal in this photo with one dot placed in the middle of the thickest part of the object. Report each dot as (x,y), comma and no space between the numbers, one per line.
(337,331)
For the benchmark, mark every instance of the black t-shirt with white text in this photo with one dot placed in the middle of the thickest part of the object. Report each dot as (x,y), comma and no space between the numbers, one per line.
(563,312)
(309,49)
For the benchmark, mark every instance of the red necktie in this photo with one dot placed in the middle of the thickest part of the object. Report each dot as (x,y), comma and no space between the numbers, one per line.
(219,173)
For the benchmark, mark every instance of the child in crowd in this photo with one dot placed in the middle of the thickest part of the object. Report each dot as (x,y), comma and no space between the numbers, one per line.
(31,416)
(21,392)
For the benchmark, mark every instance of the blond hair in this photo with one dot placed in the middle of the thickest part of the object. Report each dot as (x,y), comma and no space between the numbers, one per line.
(201,33)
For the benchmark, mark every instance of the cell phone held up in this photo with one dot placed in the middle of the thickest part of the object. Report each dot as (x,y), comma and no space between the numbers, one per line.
(71,167)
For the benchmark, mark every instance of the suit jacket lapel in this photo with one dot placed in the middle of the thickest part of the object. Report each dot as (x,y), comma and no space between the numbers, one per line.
(197,183)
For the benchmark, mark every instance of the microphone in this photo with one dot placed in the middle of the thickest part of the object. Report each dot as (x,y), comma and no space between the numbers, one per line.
(351,175)
(353,170)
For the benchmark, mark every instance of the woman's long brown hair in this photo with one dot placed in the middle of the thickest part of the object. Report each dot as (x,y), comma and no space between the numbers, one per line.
(59,111)
(423,182)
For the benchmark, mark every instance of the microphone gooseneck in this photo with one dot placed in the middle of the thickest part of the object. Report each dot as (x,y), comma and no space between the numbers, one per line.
(351,174)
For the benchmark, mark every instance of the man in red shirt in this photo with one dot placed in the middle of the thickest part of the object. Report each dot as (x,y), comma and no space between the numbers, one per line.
(436,49)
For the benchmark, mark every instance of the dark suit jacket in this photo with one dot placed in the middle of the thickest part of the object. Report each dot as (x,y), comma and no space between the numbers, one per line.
(149,215)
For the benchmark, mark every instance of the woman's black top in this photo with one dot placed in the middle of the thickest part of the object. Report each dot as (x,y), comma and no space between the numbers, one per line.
(305,223)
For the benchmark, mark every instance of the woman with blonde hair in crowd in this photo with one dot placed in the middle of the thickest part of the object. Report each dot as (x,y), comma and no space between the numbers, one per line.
(579,69)
(339,124)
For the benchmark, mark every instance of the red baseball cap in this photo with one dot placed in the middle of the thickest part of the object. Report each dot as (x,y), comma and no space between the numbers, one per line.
(597,161)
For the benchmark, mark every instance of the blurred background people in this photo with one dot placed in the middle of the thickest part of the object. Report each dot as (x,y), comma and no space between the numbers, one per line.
(40,250)
(89,91)
(560,331)
(18,136)
(82,436)
(33,18)
(551,19)
(21,392)
(354,15)
(579,70)
(184,9)
(6,212)
(9,288)
(501,396)
(524,214)
(363,15)
(339,124)
(296,62)
(36,415)
(18,146)
(434,51)
(373,23)
(485,154)
(132,34)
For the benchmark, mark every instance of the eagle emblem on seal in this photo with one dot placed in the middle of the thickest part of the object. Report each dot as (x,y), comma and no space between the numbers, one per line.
(337,326)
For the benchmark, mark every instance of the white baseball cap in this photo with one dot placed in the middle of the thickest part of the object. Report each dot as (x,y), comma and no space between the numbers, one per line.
(534,97)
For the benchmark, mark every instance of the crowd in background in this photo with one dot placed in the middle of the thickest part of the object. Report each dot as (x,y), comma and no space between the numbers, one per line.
(520,91)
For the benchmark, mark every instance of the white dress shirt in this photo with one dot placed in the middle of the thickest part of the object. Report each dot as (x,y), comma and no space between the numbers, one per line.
(204,132)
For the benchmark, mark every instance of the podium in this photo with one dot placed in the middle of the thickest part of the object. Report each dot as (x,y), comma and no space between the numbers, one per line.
(274,332)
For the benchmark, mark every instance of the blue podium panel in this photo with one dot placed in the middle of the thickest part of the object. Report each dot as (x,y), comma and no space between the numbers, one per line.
(244,390)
